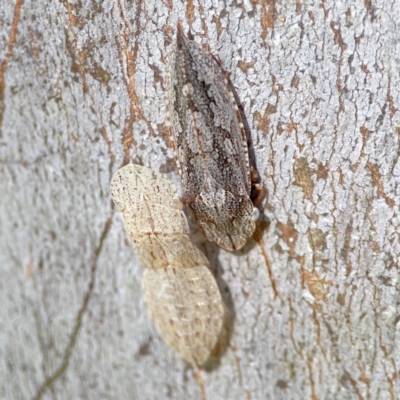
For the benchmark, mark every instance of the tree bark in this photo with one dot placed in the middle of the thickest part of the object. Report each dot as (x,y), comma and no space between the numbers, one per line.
(315,293)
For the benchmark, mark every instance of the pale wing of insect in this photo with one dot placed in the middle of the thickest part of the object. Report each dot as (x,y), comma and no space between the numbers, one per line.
(186,307)
(153,218)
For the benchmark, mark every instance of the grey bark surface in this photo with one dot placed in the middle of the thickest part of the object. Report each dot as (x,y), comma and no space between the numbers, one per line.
(315,294)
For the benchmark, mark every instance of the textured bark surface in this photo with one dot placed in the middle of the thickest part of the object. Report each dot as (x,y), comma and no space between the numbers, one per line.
(315,296)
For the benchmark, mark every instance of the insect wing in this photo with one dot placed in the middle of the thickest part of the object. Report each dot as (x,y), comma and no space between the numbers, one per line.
(186,307)
(153,218)
(210,144)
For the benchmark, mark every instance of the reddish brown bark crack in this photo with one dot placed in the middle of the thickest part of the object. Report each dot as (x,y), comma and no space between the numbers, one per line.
(130,56)
(289,235)
(339,40)
(267,16)
(258,238)
(303,177)
(190,12)
(317,286)
(377,179)
(78,59)
(3,66)
(292,319)
(240,377)
(311,377)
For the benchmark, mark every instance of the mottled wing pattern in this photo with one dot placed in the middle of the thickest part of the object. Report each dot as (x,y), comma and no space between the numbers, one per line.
(210,144)
(153,218)
(204,114)
(141,192)
(187,309)
(164,251)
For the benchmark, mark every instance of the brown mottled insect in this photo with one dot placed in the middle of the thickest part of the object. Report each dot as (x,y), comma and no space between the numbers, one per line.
(180,292)
(211,147)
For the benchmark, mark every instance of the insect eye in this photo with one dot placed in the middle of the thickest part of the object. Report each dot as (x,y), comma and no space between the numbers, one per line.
(256,214)
(120,207)
(177,204)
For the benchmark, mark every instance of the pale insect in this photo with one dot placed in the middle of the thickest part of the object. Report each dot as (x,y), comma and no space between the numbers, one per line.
(211,147)
(180,292)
